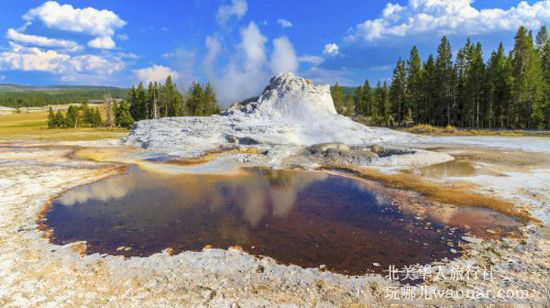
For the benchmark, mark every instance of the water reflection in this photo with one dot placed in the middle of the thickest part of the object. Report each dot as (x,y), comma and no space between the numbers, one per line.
(304,218)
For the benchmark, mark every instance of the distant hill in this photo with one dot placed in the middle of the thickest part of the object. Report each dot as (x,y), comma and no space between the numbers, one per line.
(12,95)
(19,88)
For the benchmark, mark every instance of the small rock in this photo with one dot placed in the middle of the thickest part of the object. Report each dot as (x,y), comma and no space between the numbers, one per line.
(376,149)
(260,269)
(324,147)
(471,239)
(169,251)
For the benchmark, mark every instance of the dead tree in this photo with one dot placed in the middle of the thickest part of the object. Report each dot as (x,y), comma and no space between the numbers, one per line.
(108,99)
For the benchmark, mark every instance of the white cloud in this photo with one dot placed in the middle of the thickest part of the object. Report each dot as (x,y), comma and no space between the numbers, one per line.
(154,73)
(283,58)
(311,59)
(237,8)
(32,59)
(23,58)
(67,18)
(331,50)
(122,36)
(246,74)
(14,35)
(381,68)
(103,42)
(184,62)
(284,23)
(323,75)
(448,17)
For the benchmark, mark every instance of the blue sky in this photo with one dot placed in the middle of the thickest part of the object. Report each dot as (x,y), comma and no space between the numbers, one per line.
(239,44)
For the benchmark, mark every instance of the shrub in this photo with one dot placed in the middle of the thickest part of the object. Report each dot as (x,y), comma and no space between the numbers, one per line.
(422,129)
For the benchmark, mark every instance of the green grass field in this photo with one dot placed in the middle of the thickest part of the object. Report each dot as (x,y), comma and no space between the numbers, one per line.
(32,126)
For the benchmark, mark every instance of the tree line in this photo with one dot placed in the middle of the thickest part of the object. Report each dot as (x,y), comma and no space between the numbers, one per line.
(31,97)
(510,90)
(76,116)
(158,100)
(165,100)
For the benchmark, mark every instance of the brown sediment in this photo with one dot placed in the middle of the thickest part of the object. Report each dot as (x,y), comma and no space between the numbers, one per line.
(97,154)
(434,191)
(502,160)
(186,162)
(80,248)
(231,150)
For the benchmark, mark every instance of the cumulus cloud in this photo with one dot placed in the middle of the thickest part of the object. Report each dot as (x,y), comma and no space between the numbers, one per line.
(331,50)
(154,73)
(184,62)
(99,23)
(69,67)
(284,23)
(67,18)
(311,59)
(237,8)
(14,35)
(248,70)
(103,42)
(448,17)
(122,36)
(283,58)
(245,74)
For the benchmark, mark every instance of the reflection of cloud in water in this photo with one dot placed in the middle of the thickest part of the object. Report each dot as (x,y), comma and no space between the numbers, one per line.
(113,188)
(254,193)
(282,193)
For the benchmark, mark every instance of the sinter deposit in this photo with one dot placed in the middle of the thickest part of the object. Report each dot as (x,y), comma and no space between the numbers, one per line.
(291,113)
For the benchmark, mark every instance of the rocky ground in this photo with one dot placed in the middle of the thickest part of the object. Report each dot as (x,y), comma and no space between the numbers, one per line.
(292,124)
(35,272)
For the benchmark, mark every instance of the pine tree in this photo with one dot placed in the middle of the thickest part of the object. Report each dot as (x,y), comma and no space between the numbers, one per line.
(123,115)
(348,106)
(87,115)
(543,49)
(212,106)
(528,84)
(359,101)
(443,77)
(429,90)
(72,118)
(414,82)
(398,93)
(51,119)
(96,118)
(460,95)
(499,89)
(150,101)
(337,98)
(476,79)
(173,101)
(59,119)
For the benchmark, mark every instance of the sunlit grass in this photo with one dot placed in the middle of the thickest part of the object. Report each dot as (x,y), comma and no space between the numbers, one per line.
(426,129)
(33,126)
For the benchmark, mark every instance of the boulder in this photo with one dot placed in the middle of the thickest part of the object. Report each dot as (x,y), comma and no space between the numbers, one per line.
(324,147)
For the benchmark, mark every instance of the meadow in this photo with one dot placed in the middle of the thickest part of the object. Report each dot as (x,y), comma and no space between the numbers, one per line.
(32,126)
